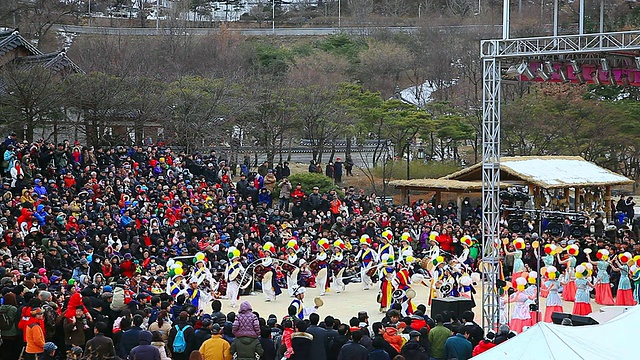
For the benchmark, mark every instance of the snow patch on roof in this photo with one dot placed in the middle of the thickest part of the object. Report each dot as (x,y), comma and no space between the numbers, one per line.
(558,172)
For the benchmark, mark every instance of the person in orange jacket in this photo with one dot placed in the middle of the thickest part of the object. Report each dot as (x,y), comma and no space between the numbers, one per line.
(35,335)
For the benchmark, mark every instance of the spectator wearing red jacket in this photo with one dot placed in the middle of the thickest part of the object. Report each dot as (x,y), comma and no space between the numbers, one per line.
(485,344)
(297,193)
(445,241)
(127,267)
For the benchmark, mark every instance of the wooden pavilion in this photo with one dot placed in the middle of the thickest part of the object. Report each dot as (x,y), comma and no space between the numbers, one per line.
(549,180)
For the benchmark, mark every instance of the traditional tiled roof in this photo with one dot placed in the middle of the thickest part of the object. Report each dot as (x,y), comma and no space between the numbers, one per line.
(57,62)
(11,40)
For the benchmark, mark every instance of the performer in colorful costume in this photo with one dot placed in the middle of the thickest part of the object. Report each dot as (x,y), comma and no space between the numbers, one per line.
(323,279)
(270,287)
(338,265)
(554,303)
(403,283)
(367,258)
(387,276)
(624,296)
(603,282)
(569,290)
(291,266)
(233,274)
(582,305)
(302,311)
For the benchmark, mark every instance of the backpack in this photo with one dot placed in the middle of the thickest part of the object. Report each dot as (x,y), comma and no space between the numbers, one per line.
(179,343)
(5,320)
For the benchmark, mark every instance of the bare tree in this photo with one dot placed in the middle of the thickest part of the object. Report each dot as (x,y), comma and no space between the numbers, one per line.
(35,18)
(30,98)
(195,109)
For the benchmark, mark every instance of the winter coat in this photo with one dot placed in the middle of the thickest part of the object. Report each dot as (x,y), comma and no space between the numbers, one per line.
(270,181)
(35,338)
(246,348)
(74,332)
(216,348)
(100,347)
(198,338)
(246,323)
(482,346)
(378,354)
(412,350)
(188,332)
(145,351)
(336,345)
(391,336)
(302,344)
(353,351)
(318,344)
(162,349)
(12,313)
(285,190)
(269,349)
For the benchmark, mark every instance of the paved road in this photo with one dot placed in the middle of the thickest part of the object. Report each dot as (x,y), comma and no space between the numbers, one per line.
(249,31)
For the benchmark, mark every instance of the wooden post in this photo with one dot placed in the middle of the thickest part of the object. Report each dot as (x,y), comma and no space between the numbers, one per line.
(537,198)
(607,203)
(459,205)
(438,198)
(404,195)
(577,199)
(567,193)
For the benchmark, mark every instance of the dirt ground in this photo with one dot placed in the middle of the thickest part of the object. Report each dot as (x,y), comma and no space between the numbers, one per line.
(347,304)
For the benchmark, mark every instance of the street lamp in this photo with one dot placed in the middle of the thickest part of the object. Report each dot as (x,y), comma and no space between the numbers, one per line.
(408,167)
(408,159)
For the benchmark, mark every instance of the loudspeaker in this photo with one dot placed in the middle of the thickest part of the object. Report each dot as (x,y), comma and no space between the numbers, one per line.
(557,317)
(583,320)
(577,320)
(457,305)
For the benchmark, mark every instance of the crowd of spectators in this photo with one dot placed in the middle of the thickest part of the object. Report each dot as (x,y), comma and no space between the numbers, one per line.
(87,232)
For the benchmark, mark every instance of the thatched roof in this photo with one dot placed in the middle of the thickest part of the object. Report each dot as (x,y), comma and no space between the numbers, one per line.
(547,172)
(438,184)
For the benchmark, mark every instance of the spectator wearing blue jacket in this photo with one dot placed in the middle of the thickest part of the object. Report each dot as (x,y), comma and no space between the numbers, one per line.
(39,189)
(264,197)
(41,215)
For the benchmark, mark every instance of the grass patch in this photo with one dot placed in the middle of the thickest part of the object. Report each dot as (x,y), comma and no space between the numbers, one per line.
(418,169)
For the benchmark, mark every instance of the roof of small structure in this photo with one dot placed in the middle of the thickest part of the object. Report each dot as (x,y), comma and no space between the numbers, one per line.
(548,172)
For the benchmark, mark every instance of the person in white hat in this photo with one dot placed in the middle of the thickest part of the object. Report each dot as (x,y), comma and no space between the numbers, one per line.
(199,296)
(301,311)
(176,285)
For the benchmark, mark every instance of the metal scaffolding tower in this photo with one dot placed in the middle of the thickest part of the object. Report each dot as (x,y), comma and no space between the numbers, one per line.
(581,58)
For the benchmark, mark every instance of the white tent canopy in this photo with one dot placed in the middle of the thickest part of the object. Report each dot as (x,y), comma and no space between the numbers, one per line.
(613,340)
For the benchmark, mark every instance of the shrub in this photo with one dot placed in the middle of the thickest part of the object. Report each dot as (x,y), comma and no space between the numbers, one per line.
(419,169)
(308,181)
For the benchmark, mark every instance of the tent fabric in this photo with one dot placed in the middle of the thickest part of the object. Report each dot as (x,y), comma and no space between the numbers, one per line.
(613,340)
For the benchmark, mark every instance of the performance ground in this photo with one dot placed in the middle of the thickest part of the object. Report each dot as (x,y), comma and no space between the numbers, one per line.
(347,304)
